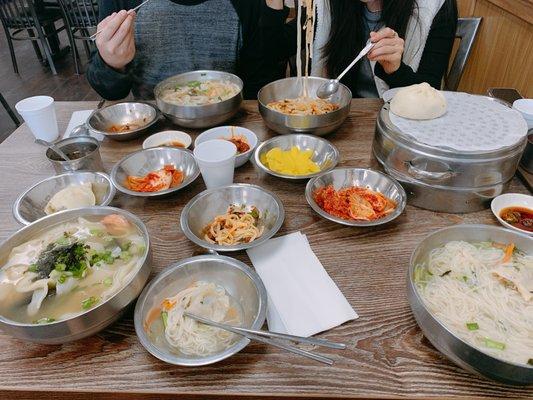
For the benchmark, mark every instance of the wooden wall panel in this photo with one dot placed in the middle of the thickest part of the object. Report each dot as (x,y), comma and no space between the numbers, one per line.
(503,53)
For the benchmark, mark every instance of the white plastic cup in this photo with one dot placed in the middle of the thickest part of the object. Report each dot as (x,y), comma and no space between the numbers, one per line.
(39,113)
(216,160)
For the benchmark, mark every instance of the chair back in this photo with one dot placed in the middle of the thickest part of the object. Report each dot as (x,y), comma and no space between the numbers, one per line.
(82,14)
(17,14)
(467,29)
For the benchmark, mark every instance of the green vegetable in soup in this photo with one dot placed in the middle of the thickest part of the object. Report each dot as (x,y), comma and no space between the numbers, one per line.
(104,256)
(108,282)
(472,326)
(493,344)
(69,257)
(89,302)
(164,317)
(194,84)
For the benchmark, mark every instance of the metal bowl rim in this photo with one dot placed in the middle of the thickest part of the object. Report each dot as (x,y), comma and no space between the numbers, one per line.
(246,154)
(420,301)
(138,130)
(243,246)
(122,189)
(131,217)
(397,212)
(106,202)
(230,351)
(158,87)
(261,145)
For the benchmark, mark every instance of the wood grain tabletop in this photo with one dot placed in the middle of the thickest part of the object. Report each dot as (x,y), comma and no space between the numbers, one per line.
(387,355)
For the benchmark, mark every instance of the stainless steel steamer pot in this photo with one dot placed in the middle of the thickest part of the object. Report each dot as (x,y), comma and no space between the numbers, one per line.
(441,179)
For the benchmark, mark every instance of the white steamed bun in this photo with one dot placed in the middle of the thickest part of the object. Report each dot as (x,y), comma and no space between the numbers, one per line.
(419,101)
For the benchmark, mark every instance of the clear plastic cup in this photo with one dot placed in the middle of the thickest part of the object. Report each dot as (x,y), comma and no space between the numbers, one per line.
(216,160)
(40,115)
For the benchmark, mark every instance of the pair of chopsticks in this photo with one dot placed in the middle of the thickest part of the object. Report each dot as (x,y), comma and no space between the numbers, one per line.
(269,338)
(93,37)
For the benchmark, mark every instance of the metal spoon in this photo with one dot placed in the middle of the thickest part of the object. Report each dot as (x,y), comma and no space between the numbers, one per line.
(330,87)
(54,148)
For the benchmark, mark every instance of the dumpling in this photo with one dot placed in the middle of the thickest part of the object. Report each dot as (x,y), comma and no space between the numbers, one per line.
(419,102)
(73,196)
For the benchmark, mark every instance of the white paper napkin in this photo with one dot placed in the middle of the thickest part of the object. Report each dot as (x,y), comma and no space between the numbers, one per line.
(302,298)
(78,118)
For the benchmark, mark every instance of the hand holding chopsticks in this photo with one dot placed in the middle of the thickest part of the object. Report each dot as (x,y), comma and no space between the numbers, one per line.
(270,338)
(93,37)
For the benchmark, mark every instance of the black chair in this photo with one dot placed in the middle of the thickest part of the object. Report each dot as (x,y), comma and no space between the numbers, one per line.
(9,110)
(467,30)
(82,18)
(21,22)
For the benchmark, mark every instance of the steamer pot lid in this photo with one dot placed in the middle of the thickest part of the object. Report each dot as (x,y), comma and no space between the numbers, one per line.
(472,124)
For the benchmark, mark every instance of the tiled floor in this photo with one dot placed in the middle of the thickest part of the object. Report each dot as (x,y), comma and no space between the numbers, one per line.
(35,79)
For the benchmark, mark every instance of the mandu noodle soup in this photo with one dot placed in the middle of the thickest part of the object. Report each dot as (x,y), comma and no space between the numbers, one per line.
(483,293)
(200,93)
(304,104)
(69,269)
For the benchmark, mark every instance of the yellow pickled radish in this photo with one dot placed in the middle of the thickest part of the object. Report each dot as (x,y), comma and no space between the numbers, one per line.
(290,162)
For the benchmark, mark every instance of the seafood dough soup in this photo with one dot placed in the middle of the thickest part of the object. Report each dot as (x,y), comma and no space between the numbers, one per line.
(70,269)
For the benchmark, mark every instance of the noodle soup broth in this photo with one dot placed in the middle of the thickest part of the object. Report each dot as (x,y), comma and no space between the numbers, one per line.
(70,268)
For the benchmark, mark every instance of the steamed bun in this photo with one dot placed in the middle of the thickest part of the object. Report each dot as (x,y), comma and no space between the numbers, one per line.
(419,102)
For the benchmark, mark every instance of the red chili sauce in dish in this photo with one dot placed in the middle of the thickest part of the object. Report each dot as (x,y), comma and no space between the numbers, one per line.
(519,217)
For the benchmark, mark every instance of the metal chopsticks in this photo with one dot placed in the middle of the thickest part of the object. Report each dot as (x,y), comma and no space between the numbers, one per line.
(93,37)
(268,338)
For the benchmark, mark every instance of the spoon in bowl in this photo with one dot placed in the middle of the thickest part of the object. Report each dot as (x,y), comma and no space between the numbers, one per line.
(54,148)
(329,88)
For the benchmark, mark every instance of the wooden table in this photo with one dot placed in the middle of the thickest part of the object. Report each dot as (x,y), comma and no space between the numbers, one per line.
(387,355)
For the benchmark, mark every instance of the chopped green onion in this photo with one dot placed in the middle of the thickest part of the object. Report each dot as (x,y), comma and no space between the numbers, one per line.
(60,267)
(33,268)
(44,321)
(492,344)
(108,281)
(164,317)
(62,278)
(472,326)
(125,246)
(125,255)
(89,302)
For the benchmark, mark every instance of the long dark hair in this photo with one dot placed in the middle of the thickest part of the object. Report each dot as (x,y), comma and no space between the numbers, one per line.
(346,36)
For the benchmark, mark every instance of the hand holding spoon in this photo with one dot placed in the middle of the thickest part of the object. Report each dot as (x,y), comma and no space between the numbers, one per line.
(54,148)
(330,87)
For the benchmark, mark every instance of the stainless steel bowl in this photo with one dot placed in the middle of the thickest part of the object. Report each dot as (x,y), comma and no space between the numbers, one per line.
(142,162)
(84,152)
(204,207)
(457,350)
(30,205)
(144,114)
(95,319)
(199,116)
(291,88)
(325,154)
(367,178)
(241,282)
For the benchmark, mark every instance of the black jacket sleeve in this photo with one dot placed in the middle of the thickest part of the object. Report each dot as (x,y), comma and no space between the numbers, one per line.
(435,57)
(108,82)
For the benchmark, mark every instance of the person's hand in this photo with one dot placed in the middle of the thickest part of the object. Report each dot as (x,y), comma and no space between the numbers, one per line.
(116,42)
(388,49)
(275,4)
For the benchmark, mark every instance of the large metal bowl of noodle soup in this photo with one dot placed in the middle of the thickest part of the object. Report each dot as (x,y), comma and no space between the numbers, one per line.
(307,114)
(470,288)
(199,99)
(213,286)
(69,275)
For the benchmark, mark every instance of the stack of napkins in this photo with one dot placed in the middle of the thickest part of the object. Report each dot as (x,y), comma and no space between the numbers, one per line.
(302,299)
(79,118)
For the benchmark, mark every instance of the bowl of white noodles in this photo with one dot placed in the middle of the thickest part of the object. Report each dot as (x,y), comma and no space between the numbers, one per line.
(212,286)
(470,288)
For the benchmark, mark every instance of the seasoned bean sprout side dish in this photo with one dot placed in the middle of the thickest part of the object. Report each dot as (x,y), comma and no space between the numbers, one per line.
(69,269)
(200,93)
(240,224)
(483,293)
(166,322)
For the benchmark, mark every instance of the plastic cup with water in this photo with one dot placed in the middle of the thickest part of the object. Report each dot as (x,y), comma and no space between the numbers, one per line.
(216,160)
(40,115)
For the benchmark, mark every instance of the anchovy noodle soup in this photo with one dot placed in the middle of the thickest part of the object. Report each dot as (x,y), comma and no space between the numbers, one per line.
(70,268)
